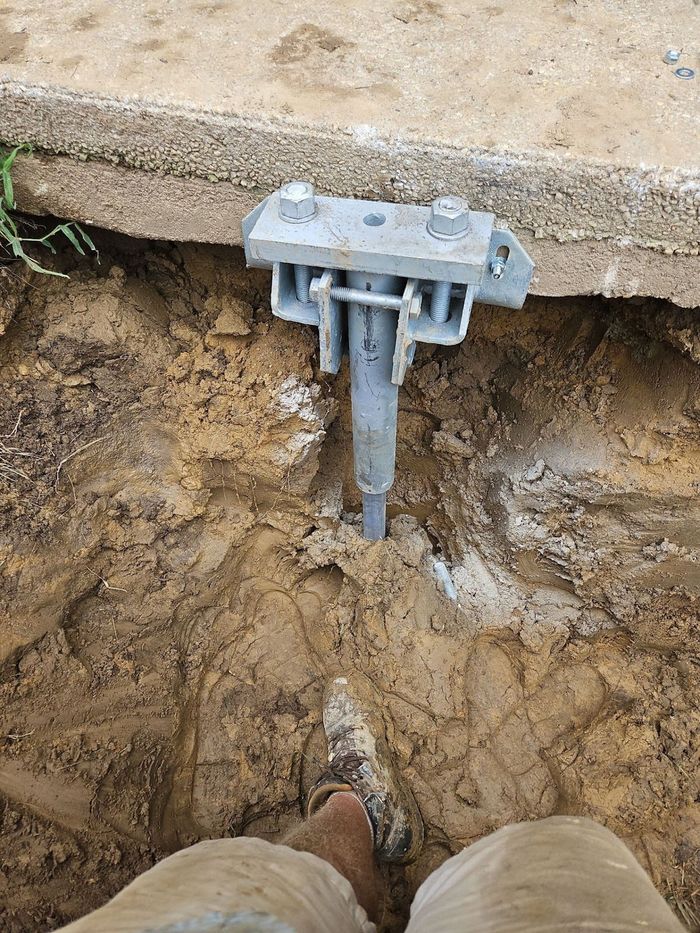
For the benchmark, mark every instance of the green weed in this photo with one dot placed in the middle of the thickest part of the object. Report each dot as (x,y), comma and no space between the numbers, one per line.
(10,238)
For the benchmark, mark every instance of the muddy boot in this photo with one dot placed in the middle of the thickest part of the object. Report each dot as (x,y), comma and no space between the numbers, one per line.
(359,760)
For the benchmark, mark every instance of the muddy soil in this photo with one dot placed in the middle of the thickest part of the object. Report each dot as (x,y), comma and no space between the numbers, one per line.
(182,569)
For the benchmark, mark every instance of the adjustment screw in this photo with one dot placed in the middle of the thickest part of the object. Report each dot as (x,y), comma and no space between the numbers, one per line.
(672,56)
(449,217)
(297,202)
(498,267)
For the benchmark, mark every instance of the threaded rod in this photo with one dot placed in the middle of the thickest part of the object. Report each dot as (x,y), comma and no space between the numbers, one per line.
(440,303)
(369,299)
(360,296)
(302,282)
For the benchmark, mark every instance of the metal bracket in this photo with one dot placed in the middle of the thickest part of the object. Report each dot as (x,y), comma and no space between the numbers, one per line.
(324,313)
(377,238)
(414,273)
(283,299)
(249,222)
(368,236)
(415,324)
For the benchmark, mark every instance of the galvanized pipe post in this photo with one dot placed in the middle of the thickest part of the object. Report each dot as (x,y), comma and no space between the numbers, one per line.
(375,398)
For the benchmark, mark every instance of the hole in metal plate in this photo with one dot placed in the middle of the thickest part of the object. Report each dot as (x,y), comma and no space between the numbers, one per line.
(374,220)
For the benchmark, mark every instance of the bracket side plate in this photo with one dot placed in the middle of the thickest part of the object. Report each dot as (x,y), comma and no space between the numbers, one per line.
(247,225)
(511,289)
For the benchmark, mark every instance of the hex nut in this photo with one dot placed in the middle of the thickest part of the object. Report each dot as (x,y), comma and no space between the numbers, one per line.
(297,201)
(449,216)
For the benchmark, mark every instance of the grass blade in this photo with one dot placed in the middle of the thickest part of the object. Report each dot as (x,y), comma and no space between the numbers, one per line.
(8,192)
(68,233)
(9,234)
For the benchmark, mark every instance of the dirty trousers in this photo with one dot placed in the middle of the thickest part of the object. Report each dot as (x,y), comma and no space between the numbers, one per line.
(559,874)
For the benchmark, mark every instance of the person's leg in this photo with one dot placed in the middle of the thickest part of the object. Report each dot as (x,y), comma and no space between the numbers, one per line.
(246,884)
(323,876)
(360,811)
(359,760)
(562,874)
(341,835)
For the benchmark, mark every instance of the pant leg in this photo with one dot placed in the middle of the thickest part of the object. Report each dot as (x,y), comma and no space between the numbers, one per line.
(558,875)
(233,886)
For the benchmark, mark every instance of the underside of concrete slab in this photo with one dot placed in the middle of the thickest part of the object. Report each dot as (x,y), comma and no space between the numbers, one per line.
(171,119)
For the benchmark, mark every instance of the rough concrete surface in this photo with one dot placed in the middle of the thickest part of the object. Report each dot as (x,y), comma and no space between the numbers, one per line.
(559,117)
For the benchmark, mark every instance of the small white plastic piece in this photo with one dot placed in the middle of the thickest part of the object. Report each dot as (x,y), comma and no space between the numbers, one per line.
(445,580)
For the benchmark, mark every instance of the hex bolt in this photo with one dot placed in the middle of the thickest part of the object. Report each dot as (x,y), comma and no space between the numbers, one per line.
(297,202)
(449,217)
(672,56)
(298,206)
(449,220)
(440,302)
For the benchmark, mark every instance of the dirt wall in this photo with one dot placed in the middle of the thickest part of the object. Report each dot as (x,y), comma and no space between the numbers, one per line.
(181,568)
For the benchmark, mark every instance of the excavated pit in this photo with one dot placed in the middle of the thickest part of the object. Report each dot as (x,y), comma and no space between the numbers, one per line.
(182,569)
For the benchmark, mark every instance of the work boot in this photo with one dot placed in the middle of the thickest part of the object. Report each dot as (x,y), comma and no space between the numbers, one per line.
(359,761)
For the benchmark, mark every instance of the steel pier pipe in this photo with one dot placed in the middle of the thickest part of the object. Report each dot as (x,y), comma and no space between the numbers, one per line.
(371,341)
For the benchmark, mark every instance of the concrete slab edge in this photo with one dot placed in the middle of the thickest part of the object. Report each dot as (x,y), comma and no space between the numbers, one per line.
(154,206)
(599,216)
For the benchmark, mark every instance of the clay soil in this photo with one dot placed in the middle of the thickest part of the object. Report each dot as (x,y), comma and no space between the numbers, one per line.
(182,569)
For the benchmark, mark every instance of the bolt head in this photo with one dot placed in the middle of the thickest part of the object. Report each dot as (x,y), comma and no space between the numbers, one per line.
(672,56)
(449,216)
(297,201)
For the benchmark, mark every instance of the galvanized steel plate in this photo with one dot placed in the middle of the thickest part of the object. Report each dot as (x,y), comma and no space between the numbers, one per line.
(370,236)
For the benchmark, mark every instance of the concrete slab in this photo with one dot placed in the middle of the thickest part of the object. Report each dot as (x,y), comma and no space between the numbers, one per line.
(169,118)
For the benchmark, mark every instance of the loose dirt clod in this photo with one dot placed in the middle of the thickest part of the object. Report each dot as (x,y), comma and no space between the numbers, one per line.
(182,569)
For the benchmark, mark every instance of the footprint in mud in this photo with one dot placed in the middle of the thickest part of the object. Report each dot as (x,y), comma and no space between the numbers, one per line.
(542,731)
(254,701)
(500,753)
